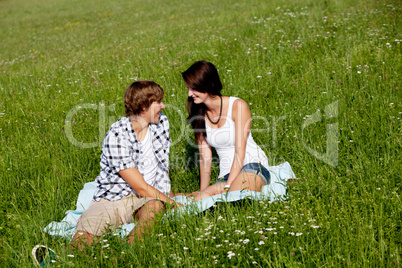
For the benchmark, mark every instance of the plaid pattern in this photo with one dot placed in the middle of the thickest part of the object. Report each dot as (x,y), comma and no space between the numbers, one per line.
(122,150)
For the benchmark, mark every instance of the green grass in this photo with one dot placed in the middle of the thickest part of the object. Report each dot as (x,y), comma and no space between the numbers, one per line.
(287,59)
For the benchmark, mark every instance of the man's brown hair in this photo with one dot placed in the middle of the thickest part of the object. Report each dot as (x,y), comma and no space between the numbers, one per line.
(140,95)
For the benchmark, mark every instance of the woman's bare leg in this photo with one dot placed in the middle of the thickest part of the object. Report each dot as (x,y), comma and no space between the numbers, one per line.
(211,190)
(247,181)
(244,181)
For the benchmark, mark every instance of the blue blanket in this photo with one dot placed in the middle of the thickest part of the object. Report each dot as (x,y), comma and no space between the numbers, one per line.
(275,191)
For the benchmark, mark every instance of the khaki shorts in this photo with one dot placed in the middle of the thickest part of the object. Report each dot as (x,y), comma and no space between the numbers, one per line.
(104,215)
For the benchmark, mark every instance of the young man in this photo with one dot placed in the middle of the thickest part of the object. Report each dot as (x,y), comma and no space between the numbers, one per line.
(134,179)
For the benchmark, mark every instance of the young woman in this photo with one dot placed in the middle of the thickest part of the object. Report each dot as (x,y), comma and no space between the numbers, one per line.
(222,122)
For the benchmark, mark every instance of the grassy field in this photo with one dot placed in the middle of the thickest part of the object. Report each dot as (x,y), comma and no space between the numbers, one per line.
(323,81)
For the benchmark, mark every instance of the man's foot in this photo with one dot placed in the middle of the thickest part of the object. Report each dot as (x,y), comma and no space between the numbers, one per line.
(43,255)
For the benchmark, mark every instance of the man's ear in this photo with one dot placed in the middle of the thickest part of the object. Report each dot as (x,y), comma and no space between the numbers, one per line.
(143,110)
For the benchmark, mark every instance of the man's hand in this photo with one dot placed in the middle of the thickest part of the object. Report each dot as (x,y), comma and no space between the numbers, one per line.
(193,194)
(176,205)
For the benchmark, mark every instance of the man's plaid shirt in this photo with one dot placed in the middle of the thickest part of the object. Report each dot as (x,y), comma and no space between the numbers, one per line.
(122,150)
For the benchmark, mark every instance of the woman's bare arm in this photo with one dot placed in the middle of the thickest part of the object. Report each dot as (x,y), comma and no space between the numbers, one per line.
(242,118)
(205,152)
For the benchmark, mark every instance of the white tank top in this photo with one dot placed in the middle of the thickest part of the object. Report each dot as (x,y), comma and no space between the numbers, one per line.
(148,170)
(223,140)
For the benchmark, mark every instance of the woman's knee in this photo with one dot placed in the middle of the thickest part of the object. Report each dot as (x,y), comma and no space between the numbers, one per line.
(247,181)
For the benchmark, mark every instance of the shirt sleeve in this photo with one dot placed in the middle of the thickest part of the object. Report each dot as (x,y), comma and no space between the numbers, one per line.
(118,152)
(166,127)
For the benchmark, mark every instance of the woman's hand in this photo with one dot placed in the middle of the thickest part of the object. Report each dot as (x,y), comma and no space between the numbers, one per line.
(186,194)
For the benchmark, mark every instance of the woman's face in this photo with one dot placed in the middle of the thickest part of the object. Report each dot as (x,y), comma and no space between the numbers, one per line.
(198,97)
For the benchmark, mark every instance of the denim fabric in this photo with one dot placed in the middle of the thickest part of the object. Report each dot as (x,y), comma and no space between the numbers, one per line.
(255,168)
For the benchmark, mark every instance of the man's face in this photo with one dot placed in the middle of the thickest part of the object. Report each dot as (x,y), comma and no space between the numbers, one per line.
(153,112)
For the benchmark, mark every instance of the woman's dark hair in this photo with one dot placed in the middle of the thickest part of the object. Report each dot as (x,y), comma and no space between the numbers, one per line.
(203,77)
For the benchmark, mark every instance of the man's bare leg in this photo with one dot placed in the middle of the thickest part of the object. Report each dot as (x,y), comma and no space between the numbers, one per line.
(82,239)
(146,217)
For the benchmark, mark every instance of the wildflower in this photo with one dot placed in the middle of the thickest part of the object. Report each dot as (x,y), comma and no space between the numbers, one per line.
(185,248)
(231,254)
(256,249)
(359,72)
(245,241)
(71,256)
(315,226)
(261,243)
